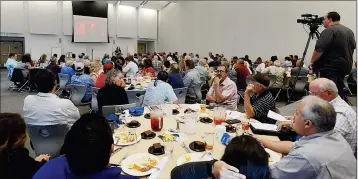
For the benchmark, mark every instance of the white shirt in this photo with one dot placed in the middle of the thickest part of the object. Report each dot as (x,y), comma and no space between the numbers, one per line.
(49,109)
(260,67)
(210,60)
(130,69)
(346,121)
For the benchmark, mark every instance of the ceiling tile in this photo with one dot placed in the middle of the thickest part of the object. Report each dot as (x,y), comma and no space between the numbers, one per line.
(131,3)
(156,5)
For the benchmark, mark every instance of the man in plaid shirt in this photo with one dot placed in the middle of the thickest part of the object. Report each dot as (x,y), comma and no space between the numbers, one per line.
(157,64)
(346,121)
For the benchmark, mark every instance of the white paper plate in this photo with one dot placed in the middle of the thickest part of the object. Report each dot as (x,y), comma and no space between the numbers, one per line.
(274,157)
(135,157)
(194,157)
(139,137)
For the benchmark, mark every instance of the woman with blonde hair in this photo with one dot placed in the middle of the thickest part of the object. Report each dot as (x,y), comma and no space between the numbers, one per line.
(42,60)
(15,161)
(95,70)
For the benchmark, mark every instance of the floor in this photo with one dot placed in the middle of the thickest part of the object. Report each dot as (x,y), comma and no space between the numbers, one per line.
(12,101)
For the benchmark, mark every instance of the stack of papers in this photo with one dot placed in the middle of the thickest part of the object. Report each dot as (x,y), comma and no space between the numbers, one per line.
(264,126)
(276,116)
(234,115)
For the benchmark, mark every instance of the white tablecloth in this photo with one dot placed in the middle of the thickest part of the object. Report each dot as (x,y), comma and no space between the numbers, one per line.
(143,145)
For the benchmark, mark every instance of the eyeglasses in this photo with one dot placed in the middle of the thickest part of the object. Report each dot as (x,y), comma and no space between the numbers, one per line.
(221,71)
(316,94)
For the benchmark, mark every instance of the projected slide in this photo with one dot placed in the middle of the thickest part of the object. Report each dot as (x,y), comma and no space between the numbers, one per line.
(90,29)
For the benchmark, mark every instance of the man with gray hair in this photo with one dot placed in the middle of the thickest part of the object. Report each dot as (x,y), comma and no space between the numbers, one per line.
(321,153)
(346,120)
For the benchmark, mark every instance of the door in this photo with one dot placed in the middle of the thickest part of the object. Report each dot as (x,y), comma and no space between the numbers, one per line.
(142,48)
(8,47)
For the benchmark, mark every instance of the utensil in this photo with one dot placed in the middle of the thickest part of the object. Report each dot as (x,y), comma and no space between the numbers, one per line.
(203,156)
(183,145)
(124,157)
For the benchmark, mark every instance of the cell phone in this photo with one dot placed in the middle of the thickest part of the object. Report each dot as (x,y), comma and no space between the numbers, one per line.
(233,121)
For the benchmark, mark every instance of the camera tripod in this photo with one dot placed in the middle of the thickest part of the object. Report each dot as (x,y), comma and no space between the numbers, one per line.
(313,33)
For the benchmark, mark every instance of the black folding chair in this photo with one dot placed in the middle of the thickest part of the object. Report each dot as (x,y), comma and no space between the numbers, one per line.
(18,79)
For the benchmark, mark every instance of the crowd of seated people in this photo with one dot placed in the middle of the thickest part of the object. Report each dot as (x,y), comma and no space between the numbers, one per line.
(243,157)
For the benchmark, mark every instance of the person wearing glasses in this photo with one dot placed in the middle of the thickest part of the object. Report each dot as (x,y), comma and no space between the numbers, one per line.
(346,117)
(322,152)
(258,105)
(223,92)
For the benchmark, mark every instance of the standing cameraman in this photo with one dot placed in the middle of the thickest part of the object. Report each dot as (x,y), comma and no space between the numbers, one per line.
(333,54)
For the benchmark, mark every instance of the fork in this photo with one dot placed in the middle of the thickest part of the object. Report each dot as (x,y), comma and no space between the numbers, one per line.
(203,156)
(183,145)
(124,157)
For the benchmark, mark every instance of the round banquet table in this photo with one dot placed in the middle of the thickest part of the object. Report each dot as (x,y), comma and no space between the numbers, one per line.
(143,145)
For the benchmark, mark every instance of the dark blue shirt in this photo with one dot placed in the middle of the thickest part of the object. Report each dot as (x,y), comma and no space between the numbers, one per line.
(176,80)
(58,168)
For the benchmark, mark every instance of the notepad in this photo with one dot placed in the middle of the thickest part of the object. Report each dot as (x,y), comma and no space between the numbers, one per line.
(264,126)
(276,116)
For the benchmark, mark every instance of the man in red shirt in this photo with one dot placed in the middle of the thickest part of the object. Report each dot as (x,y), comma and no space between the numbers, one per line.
(102,77)
(242,73)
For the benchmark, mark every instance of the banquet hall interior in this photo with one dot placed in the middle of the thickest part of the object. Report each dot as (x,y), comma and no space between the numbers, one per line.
(178,89)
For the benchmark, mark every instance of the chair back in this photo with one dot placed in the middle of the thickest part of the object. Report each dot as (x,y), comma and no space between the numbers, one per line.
(77,93)
(273,79)
(107,110)
(136,96)
(181,93)
(94,102)
(300,84)
(17,76)
(354,75)
(345,80)
(197,90)
(47,139)
(63,80)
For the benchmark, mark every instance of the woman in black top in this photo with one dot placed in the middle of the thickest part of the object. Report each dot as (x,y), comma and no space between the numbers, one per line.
(113,92)
(15,162)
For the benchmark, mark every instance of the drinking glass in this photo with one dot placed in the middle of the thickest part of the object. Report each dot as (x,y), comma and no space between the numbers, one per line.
(209,142)
(167,109)
(203,105)
(190,119)
(156,120)
(245,127)
(219,115)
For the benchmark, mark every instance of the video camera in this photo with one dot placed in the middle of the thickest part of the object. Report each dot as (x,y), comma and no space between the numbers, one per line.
(310,19)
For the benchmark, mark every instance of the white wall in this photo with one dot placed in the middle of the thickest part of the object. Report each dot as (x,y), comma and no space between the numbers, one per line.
(255,28)
(43,29)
